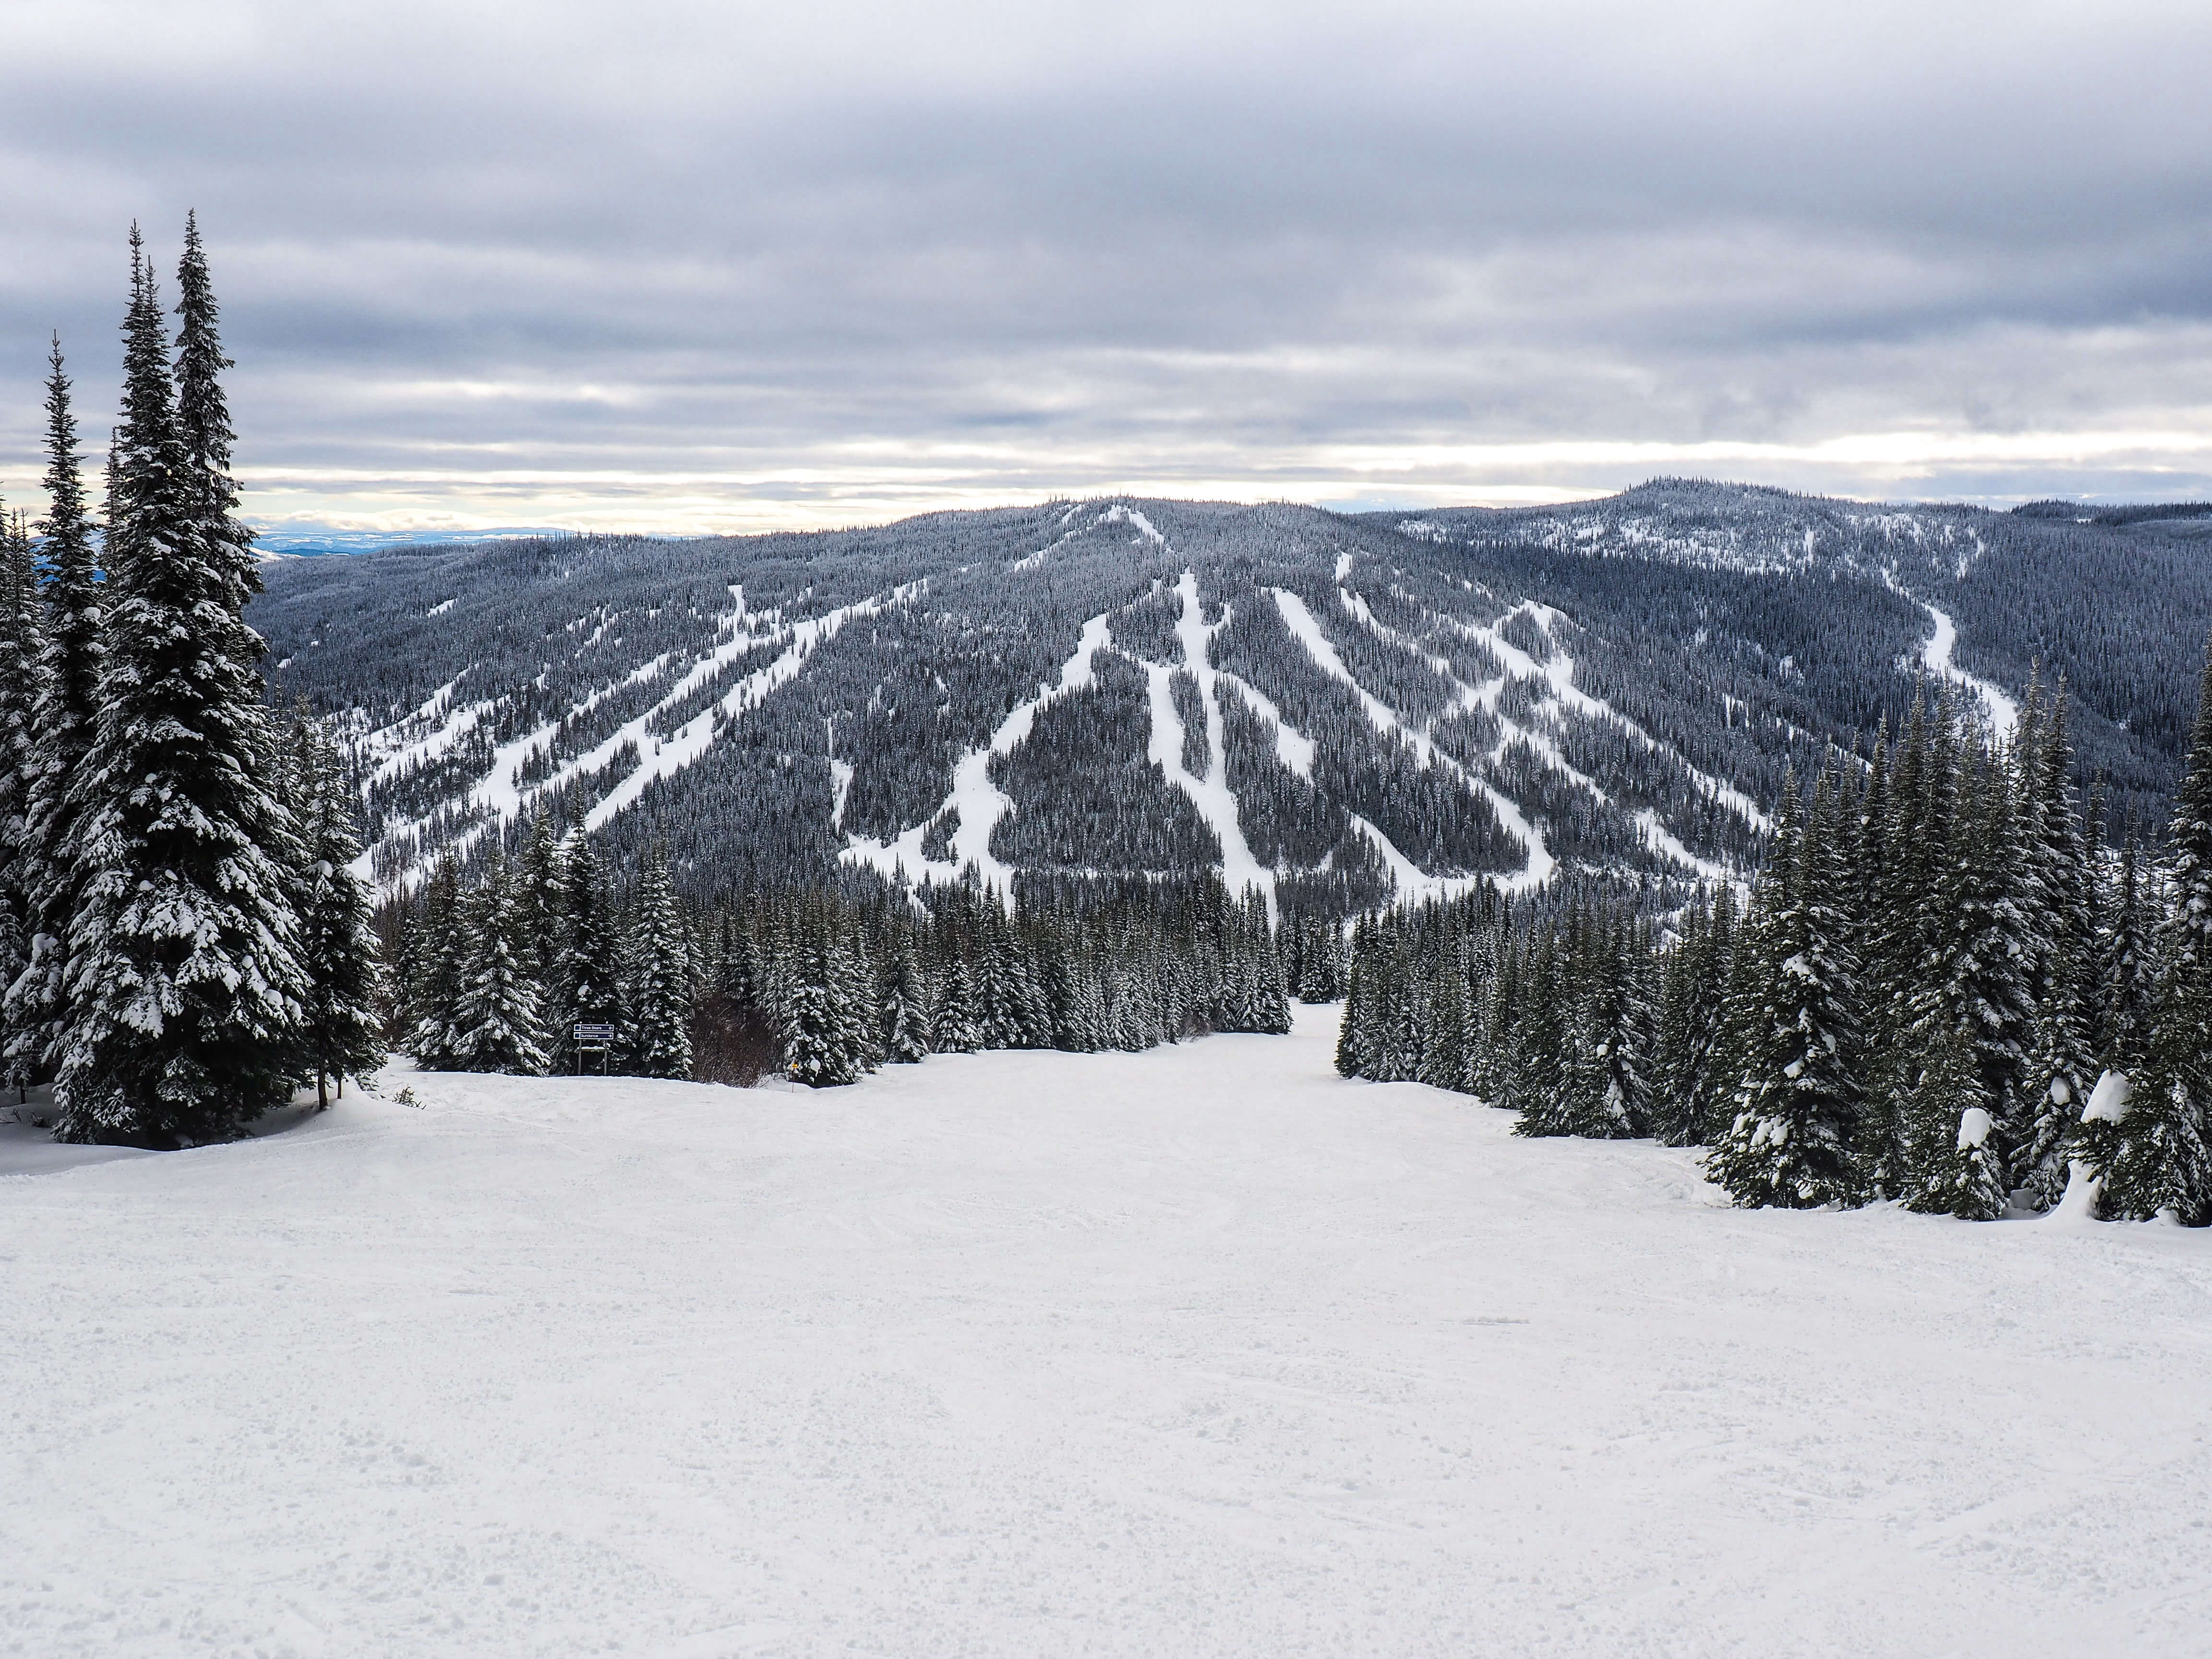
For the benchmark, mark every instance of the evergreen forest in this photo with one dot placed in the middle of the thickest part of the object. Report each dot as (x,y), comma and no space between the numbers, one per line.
(183,939)
(889,794)
(1943,988)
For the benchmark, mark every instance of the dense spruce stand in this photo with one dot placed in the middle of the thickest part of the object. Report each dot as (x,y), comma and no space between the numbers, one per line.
(1943,993)
(184,953)
(820,985)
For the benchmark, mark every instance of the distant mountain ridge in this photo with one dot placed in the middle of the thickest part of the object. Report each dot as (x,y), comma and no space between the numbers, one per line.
(1338,709)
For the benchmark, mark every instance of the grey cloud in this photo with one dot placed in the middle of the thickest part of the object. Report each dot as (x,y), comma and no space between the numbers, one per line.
(1017,248)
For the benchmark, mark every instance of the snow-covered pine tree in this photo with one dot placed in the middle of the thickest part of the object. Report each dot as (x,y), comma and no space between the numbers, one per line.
(996,987)
(1605,1086)
(1789,1143)
(497,1019)
(1912,903)
(2165,1162)
(1355,1029)
(20,672)
(2095,1144)
(337,945)
(1985,965)
(184,981)
(1673,1062)
(1446,1013)
(905,1007)
(1268,997)
(543,901)
(68,704)
(952,1023)
(1489,1059)
(821,1025)
(1536,1063)
(2127,989)
(591,990)
(854,968)
(1692,1006)
(434,989)
(1394,1043)
(1952,1162)
(2061,1065)
(659,996)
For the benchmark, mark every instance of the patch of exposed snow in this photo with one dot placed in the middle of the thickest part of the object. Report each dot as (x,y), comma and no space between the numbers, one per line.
(664,757)
(2001,713)
(1210,795)
(2110,1100)
(980,803)
(1539,863)
(1203,1350)
(1122,513)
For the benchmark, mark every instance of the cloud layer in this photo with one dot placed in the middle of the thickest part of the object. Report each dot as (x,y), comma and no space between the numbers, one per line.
(691,267)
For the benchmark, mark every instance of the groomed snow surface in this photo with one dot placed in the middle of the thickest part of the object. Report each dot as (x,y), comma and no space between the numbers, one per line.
(1201,1351)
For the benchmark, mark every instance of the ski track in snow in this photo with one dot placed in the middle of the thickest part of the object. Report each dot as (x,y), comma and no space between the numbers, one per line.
(1202,1352)
(1539,865)
(1557,672)
(498,796)
(980,803)
(1215,801)
(661,757)
(1999,710)
(391,749)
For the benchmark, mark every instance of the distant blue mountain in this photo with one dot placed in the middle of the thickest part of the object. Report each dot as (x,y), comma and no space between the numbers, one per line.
(308,542)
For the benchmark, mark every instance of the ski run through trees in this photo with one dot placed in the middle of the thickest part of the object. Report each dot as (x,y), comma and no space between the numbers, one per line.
(1940,990)
(952,786)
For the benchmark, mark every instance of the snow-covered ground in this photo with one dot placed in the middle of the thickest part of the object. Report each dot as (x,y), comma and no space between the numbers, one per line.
(1192,1352)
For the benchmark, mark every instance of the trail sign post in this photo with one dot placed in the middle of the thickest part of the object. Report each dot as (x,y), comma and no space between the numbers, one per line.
(591,1035)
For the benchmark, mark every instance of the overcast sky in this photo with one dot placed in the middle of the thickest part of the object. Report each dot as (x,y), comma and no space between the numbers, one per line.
(689,267)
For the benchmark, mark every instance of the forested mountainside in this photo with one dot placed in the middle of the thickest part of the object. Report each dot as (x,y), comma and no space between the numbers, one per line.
(1336,709)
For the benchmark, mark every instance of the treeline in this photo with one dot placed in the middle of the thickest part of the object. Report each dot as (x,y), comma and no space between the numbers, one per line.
(1943,990)
(182,942)
(501,971)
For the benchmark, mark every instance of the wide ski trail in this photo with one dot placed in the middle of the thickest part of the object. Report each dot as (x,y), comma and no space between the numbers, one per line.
(1197,1351)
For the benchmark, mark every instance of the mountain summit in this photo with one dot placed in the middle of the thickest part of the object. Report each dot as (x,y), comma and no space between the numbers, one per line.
(1336,709)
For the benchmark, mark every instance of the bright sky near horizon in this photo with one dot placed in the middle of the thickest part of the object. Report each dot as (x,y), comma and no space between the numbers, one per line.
(687,266)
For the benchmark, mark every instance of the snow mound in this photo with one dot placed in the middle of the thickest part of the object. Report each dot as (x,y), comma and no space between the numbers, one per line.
(2109,1100)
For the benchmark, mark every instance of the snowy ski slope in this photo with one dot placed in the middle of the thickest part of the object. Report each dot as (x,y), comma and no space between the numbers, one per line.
(1201,1352)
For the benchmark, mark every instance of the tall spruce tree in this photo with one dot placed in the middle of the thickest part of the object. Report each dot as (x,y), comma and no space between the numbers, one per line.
(2164,1167)
(497,1026)
(68,703)
(1953,1163)
(2062,1062)
(183,980)
(1790,1143)
(337,944)
(905,1006)
(2127,990)
(434,981)
(19,674)
(660,993)
(591,990)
